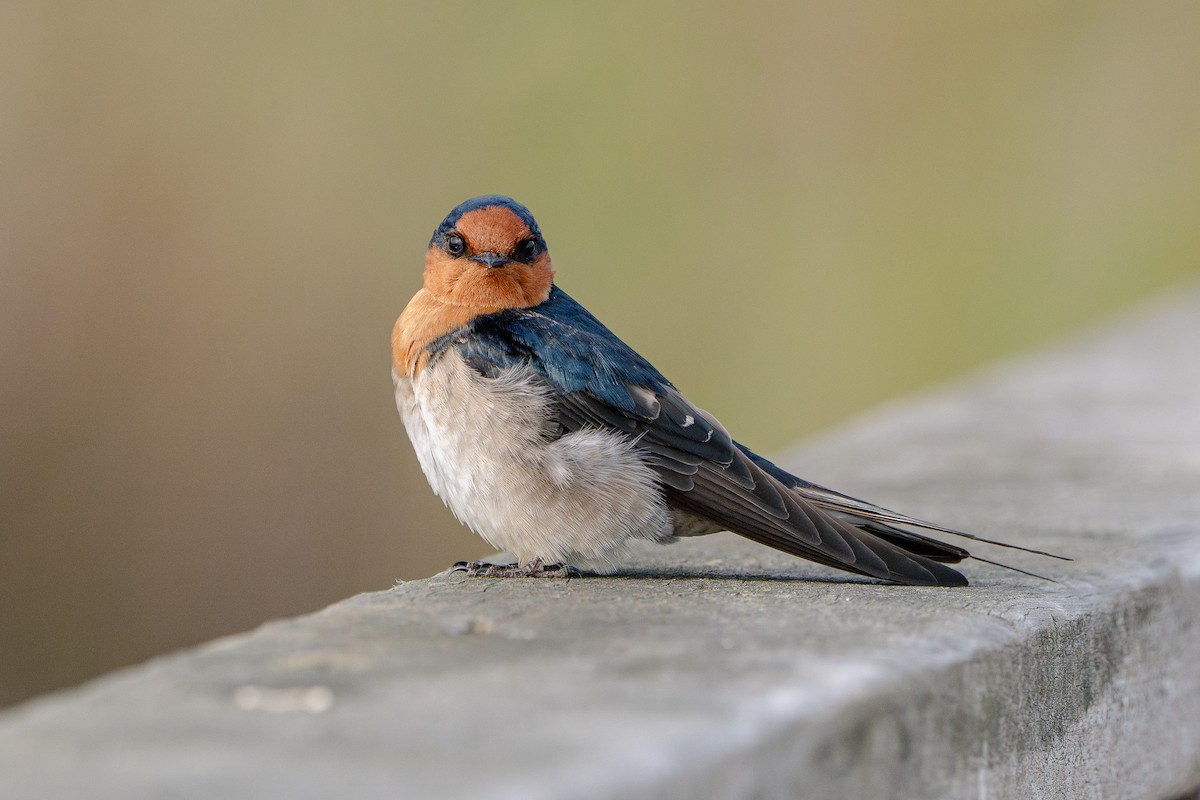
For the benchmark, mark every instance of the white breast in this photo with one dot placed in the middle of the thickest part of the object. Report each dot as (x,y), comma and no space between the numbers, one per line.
(577,499)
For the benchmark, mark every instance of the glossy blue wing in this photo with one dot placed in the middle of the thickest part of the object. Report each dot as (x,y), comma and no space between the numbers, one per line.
(598,381)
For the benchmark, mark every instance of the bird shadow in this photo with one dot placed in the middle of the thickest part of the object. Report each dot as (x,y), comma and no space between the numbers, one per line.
(718,574)
(709,571)
(694,572)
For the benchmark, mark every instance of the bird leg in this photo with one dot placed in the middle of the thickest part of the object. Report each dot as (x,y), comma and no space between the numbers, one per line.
(532,569)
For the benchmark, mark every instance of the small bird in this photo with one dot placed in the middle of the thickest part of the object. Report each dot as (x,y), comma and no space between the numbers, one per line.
(554,440)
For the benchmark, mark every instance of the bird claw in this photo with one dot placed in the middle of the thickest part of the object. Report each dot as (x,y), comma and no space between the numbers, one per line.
(534,569)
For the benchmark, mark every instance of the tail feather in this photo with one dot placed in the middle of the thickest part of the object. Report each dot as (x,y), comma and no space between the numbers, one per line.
(912,542)
(876,518)
(829,527)
(868,512)
(775,515)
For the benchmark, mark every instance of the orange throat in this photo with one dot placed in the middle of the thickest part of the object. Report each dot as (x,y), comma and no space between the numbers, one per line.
(454,294)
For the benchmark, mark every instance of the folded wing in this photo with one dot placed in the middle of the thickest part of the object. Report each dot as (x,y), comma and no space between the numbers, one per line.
(708,475)
(598,381)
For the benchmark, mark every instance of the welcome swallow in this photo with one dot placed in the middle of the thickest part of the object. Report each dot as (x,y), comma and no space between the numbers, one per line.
(552,439)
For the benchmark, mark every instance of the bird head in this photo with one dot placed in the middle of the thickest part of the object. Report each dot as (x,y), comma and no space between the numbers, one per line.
(488,253)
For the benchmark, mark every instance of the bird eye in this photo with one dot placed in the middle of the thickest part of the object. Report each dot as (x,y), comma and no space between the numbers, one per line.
(527,250)
(455,245)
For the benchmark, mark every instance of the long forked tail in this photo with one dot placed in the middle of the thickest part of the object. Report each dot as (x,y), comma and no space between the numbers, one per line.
(743,498)
(881,522)
(938,550)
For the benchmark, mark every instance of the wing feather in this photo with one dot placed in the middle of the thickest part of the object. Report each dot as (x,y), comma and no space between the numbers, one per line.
(596,381)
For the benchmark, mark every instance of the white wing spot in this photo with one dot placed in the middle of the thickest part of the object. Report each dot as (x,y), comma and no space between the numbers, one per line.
(689,421)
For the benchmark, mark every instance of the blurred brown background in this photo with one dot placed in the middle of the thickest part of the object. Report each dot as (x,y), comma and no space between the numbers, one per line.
(211,213)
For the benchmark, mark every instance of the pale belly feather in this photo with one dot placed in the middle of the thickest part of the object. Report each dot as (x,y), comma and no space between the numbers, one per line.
(577,499)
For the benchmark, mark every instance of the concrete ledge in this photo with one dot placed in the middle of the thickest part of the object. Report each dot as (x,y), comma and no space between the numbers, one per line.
(717,668)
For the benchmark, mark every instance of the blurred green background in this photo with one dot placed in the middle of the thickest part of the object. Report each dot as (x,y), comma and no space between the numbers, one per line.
(211,213)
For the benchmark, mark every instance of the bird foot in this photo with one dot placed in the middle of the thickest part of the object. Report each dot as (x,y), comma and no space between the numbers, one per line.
(533,569)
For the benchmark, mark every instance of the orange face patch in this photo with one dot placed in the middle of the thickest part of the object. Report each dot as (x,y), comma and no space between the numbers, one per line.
(457,289)
(493,229)
(462,282)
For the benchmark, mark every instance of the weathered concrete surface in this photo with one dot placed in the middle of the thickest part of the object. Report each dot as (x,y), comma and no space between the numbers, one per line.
(717,668)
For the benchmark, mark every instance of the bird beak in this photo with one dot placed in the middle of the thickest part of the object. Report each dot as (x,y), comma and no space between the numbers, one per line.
(491,260)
